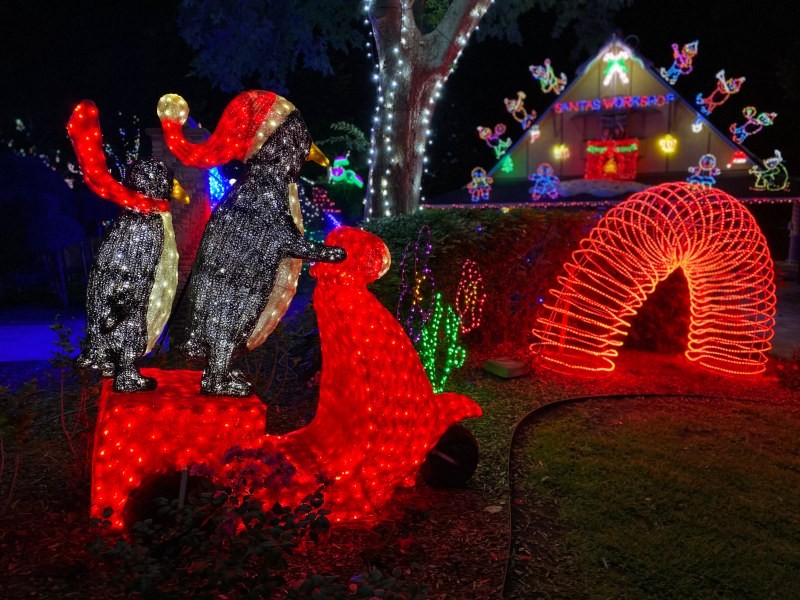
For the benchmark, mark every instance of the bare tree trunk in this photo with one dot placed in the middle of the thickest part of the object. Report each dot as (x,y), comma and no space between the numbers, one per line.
(413,67)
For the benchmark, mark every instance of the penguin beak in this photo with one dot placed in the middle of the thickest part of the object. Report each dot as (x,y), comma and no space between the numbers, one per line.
(317,156)
(178,193)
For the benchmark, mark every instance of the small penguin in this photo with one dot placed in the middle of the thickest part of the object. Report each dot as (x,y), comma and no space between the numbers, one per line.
(133,280)
(246,269)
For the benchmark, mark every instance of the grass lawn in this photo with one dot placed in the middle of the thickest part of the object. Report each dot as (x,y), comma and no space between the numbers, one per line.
(663,498)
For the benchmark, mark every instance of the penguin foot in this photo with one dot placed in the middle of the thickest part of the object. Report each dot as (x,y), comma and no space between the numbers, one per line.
(227,384)
(132,381)
(90,361)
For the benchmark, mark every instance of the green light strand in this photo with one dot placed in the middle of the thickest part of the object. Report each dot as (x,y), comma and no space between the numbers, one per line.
(438,347)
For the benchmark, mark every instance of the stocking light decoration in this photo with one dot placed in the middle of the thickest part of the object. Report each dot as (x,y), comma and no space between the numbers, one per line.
(706,171)
(682,62)
(470,296)
(773,177)
(133,280)
(724,90)
(516,108)
(246,269)
(753,123)
(547,79)
(376,420)
(637,244)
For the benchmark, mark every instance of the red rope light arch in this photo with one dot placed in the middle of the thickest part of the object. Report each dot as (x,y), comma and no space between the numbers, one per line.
(637,244)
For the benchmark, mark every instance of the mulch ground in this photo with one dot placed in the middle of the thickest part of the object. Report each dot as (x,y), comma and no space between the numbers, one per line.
(455,542)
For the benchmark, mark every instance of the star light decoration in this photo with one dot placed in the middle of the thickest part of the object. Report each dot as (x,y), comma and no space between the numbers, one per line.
(376,421)
(399,67)
(703,231)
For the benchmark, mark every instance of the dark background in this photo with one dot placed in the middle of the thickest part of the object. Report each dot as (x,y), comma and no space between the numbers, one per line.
(125,55)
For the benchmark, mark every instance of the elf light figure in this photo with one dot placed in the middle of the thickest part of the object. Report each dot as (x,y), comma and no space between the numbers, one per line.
(547,79)
(724,90)
(616,67)
(480,187)
(339,173)
(545,182)
(773,177)
(492,139)
(706,171)
(753,124)
(682,62)
(516,108)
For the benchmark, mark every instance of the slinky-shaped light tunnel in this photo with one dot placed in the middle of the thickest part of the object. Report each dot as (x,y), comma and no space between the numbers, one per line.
(704,231)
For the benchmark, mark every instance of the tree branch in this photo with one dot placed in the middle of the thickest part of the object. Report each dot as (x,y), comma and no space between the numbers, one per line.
(444,43)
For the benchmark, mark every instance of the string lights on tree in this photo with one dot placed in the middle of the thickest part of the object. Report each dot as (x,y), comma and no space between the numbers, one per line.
(703,231)
(406,104)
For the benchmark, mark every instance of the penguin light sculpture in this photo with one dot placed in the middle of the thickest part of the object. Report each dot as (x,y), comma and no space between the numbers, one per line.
(246,269)
(133,279)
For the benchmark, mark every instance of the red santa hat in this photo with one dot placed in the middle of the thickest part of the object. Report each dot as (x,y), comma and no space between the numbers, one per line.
(246,123)
(87,140)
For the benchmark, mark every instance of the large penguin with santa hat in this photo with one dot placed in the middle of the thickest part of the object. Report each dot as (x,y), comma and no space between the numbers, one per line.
(246,269)
(133,279)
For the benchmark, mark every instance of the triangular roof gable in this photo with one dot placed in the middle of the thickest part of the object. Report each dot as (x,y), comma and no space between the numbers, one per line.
(677,115)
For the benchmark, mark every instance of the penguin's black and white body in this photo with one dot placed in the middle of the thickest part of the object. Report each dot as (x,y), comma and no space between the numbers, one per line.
(133,280)
(245,272)
(132,284)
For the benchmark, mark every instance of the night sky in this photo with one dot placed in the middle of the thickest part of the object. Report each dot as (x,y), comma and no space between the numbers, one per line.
(125,55)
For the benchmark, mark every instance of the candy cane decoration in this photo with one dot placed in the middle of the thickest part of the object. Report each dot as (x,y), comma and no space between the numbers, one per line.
(705,232)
